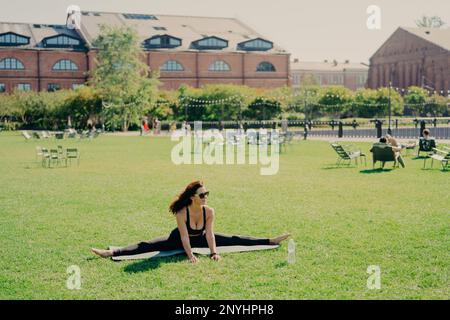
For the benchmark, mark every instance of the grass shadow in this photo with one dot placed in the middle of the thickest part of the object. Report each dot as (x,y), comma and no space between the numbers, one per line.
(334,166)
(435,169)
(281,265)
(376,170)
(419,157)
(151,264)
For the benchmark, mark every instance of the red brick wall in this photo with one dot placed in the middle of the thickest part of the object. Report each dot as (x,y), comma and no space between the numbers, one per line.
(195,74)
(243,69)
(40,76)
(405,59)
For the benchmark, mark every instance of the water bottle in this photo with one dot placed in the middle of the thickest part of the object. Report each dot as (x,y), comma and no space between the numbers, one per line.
(291,251)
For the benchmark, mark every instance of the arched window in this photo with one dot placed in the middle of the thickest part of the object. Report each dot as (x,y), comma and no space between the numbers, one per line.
(172,65)
(265,67)
(11,64)
(65,65)
(219,65)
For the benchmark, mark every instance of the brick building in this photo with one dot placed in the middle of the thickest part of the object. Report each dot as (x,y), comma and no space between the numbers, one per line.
(326,73)
(413,57)
(40,57)
(186,50)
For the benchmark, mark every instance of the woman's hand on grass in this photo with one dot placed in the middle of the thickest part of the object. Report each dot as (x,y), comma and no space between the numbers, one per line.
(216,257)
(193,259)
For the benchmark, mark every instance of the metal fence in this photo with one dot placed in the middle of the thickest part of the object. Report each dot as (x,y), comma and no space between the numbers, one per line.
(400,128)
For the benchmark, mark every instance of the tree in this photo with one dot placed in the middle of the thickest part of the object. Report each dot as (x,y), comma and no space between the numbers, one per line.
(415,100)
(366,103)
(397,106)
(81,105)
(122,77)
(430,22)
(336,100)
(263,109)
(436,106)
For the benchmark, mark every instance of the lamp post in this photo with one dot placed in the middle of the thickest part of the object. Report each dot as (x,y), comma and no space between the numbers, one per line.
(389,125)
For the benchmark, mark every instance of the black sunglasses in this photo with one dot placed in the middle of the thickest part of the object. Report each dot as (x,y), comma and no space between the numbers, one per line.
(203,195)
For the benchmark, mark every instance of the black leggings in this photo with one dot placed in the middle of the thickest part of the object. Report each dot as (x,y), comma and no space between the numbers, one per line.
(173,242)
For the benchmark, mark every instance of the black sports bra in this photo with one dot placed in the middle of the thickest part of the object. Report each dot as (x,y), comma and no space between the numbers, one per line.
(195,232)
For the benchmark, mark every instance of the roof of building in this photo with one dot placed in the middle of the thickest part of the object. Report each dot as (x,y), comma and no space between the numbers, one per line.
(37,32)
(187,28)
(438,36)
(327,66)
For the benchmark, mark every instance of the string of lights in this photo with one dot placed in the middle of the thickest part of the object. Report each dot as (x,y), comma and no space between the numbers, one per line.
(309,93)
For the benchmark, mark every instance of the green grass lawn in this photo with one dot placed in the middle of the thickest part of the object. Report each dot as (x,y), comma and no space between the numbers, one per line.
(342,220)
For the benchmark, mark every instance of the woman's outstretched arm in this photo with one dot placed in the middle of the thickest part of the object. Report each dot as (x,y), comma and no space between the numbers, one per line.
(210,237)
(185,236)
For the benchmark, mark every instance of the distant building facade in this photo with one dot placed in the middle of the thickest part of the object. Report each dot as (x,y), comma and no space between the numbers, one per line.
(186,50)
(326,73)
(413,57)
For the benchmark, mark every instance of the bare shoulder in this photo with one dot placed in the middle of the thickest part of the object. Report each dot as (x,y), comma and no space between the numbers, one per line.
(181,215)
(209,212)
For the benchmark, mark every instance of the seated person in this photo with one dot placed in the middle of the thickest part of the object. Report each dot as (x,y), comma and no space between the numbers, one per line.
(392,141)
(426,143)
(396,149)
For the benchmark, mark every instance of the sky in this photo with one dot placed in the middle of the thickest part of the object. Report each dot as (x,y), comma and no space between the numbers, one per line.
(311,30)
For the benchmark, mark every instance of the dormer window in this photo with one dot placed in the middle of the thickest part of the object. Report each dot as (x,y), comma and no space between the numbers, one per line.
(133,16)
(164,41)
(255,45)
(13,39)
(210,43)
(61,41)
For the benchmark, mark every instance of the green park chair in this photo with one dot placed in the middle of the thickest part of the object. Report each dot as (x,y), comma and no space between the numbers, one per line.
(72,153)
(383,153)
(61,155)
(426,145)
(347,153)
(45,157)
(443,156)
(53,158)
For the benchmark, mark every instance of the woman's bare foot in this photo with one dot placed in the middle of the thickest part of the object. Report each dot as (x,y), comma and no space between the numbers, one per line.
(278,239)
(102,253)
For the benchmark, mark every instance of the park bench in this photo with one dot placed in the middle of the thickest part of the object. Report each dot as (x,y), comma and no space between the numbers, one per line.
(347,153)
(443,156)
